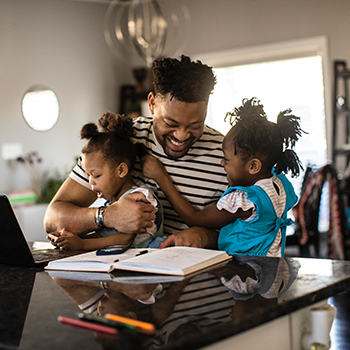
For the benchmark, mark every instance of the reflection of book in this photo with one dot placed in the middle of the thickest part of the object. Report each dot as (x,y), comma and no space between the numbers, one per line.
(128,277)
(82,276)
(178,261)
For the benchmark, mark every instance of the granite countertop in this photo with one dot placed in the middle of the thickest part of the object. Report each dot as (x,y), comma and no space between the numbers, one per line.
(189,313)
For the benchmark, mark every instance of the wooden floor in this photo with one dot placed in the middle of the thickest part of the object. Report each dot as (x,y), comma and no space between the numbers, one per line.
(340,332)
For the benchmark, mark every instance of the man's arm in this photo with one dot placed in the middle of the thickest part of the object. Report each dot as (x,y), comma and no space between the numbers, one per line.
(199,237)
(69,209)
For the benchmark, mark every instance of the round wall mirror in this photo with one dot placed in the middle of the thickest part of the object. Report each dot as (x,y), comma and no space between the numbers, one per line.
(40,108)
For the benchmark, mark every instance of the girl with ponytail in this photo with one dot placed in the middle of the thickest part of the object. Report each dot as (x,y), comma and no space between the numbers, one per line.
(107,159)
(252,213)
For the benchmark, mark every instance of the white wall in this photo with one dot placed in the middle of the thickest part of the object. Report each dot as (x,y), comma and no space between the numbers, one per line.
(229,24)
(60,43)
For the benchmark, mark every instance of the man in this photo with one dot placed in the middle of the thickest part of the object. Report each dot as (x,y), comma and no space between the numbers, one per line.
(177,135)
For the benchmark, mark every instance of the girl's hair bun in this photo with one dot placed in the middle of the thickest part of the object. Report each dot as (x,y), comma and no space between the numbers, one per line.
(88,131)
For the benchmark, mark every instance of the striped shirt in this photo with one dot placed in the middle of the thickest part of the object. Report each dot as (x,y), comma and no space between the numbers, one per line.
(204,303)
(198,175)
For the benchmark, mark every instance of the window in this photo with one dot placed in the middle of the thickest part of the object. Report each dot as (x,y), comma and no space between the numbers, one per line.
(282,76)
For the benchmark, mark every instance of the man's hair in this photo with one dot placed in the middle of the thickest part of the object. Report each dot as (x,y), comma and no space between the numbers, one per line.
(185,80)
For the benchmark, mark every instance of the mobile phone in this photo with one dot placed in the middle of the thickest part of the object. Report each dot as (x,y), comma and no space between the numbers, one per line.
(113,249)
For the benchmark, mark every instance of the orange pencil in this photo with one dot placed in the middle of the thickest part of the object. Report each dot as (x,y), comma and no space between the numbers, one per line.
(140,326)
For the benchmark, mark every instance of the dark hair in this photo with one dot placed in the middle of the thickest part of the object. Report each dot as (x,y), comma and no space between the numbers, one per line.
(114,139)
(185,80)
(253,135)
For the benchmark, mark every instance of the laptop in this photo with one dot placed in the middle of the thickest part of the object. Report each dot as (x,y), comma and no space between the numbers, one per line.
(14,248)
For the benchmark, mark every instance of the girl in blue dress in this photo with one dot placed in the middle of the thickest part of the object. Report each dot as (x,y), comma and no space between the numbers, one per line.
(252,213)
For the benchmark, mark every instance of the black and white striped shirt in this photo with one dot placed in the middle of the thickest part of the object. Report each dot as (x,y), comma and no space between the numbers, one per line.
(198,175)
(203,303)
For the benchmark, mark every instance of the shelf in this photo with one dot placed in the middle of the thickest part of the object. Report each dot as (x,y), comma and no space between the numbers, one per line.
(342,151)
(131,100)
(341,109)
(343,113)
(343,74)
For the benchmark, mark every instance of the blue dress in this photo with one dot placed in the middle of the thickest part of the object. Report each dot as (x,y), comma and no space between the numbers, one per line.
(255,237)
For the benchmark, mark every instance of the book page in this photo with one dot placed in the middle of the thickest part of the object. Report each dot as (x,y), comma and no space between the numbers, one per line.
(92,262)
(173,260)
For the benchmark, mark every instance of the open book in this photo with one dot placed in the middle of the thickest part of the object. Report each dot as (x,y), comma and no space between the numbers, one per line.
(178,261)
(91,262)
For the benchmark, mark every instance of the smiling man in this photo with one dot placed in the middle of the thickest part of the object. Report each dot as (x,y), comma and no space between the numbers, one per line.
(177,135)
(177,125)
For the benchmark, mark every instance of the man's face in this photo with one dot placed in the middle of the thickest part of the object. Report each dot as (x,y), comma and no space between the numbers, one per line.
(177,125)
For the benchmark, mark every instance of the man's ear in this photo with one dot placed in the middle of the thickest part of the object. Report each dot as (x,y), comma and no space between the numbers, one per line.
(255,166)
(151,102)
(122,170)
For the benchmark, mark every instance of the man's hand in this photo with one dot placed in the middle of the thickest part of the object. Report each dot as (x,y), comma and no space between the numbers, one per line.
(71,209)
(130,214)
(199,237)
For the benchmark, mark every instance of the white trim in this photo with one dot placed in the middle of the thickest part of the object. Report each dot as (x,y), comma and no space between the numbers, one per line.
(279,51)
(268,52)
(328,97)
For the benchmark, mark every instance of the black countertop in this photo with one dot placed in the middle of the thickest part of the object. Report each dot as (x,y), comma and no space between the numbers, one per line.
(189,313)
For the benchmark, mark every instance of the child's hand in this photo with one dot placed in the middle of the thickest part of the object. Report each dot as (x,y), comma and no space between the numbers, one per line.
(70,241)
(67,240)
(52,237)
(152,167)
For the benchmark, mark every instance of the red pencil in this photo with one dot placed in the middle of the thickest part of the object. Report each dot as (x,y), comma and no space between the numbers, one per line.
(87,325)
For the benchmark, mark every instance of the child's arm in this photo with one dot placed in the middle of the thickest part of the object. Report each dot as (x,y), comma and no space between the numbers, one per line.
(70,241)
(210,217)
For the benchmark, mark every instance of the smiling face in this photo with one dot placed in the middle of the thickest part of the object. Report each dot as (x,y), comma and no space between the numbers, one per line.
(104,179)
(236,168)
(177,125)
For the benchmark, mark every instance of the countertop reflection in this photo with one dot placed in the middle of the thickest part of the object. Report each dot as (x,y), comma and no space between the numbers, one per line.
(188,312)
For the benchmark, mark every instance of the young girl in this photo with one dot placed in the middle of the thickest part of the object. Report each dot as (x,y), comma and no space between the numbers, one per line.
(108,158)
(252,213)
